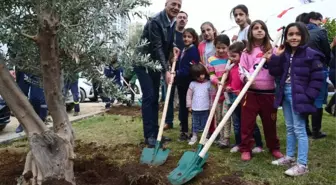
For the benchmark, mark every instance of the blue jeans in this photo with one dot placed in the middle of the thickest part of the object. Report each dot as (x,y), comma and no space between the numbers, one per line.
(170,111)
(236,118)
(296,128)
(74,91)
(150,86)
(199,119)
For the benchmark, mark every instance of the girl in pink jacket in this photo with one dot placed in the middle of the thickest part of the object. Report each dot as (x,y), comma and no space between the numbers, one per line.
(260,97)
(207,48)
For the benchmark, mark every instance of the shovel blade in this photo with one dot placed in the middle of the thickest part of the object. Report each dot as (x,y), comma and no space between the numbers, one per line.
(189,156)
(154,156)
(186,171)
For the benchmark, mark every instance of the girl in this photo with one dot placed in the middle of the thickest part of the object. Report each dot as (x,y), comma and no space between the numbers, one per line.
(241,16)
(206,47)
(260,96)
(233,86)
(189,56)
(198,99)
(301,72)
(216,67)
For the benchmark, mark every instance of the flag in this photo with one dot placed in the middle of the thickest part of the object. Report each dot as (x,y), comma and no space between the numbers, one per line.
(284,12)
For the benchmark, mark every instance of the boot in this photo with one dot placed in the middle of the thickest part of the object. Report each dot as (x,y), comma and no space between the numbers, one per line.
(316,124)
(331,103)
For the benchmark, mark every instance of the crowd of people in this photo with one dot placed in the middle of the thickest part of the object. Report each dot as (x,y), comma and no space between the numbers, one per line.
(294,77)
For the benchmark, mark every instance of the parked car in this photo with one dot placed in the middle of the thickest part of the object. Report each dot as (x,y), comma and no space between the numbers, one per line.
(86,90)
(4,114)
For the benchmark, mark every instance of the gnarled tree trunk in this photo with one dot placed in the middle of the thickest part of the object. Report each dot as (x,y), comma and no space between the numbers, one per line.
(50,160)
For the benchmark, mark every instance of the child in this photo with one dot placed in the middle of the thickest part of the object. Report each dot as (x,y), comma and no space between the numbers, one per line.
(301,72)
(260,96)
(206,47)
(241,16)
(233,86)
(198,99)
(216,68)
(189,56)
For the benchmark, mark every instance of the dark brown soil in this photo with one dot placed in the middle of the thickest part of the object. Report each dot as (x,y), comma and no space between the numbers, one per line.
(98,165)
(125,111)
(130,111)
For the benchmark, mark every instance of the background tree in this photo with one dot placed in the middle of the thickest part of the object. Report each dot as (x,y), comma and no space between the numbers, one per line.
(330,26)
(43,37)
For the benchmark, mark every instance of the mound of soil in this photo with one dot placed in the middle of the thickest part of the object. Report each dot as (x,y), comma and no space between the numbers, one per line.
(97,165)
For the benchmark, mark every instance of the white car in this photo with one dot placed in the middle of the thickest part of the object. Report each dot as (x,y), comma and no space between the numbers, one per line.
(86,90)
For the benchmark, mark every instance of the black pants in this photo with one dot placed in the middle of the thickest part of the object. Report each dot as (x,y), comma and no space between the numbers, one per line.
(316,119)
(182,87)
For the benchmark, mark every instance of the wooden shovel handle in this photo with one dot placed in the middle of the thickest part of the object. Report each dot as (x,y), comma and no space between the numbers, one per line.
(214,105)
(165,108)
(231,109)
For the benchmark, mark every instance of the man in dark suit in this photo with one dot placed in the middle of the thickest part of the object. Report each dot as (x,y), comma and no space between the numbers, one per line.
(159,31)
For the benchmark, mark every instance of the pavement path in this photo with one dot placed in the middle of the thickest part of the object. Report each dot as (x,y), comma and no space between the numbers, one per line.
(87,110)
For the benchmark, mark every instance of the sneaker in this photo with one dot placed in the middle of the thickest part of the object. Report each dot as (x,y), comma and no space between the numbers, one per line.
(183,137)
(257,150)
(277,154)
(224,143)
(193,140)
(19,129)
(246,156)
(76,114)
(235,149)
(297,170)
(284,161)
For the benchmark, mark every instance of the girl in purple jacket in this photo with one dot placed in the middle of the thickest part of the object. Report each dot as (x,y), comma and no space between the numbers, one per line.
(300,71)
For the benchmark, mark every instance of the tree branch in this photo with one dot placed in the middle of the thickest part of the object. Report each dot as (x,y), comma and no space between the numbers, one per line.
(34,38)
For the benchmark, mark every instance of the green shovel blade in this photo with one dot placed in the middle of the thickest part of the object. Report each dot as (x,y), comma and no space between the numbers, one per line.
(188,156)
(154,156)
(186,171)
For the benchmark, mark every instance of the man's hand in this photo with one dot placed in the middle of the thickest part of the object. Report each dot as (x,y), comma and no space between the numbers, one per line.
(176,52)
(168,77)
(189,109)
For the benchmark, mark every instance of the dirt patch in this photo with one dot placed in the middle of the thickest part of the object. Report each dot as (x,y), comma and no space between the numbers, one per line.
(134,110)
(125,111)
(102,165)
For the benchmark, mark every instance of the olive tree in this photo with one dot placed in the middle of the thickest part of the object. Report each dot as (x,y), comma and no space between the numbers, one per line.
(46,37)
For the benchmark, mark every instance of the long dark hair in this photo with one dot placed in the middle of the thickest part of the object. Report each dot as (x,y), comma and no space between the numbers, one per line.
(266,45)
(237,47)
(212,26)
(240,6)
(303,30)
(194,34)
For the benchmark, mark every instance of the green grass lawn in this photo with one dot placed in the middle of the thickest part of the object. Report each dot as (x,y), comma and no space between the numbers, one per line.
(113,130)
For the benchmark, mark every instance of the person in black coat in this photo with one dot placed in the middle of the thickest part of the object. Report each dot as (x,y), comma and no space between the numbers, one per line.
(159,31)
(319,42)
(332,78)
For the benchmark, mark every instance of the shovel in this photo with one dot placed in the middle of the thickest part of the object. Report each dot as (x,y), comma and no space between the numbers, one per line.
(157,156)
(189,156)
(130,88)
(186,171)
